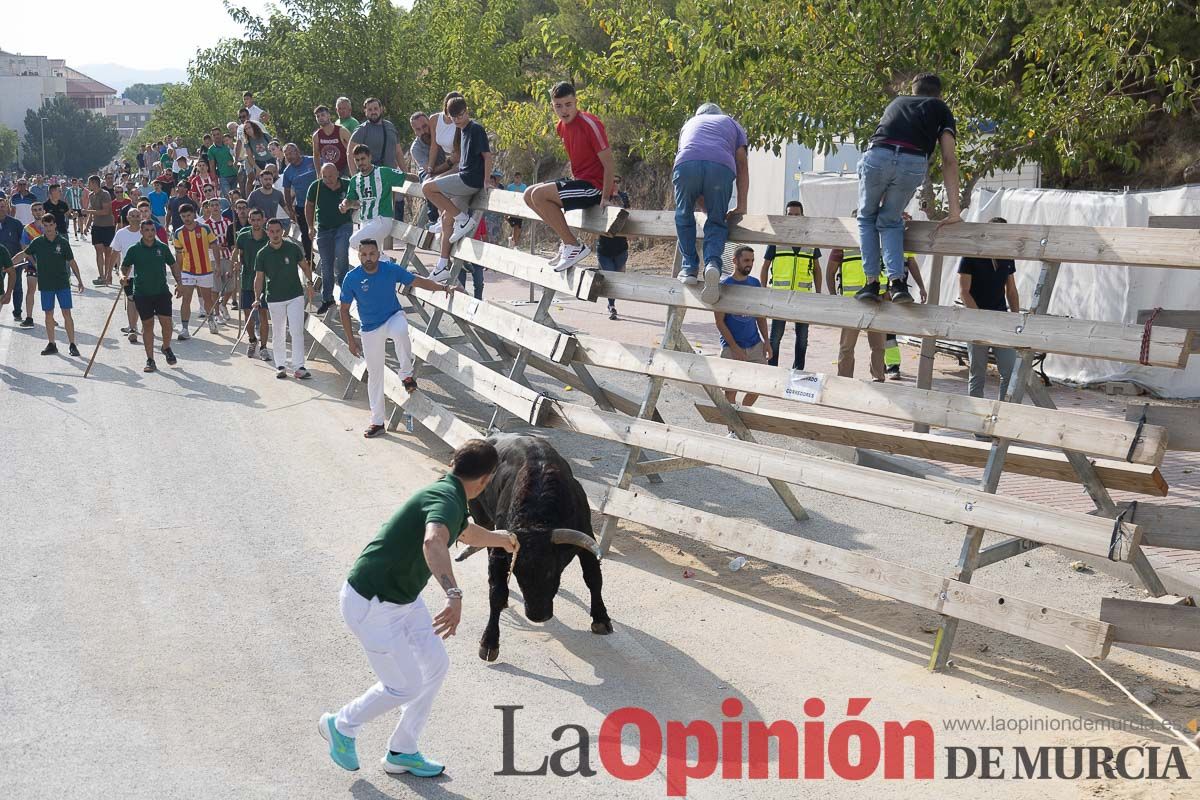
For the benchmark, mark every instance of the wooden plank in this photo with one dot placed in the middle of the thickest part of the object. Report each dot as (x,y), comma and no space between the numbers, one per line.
(1177,527)
(432,416)
(1175,627)
(1081,532)
(1186,223)
(408,234)
(669,464)
(1182,423)
(1170,318)
(580,283)
(1098,436)
(504,322)
(1119,475)
(1001,612)
(1135,247)
(1114,341)
(520,400)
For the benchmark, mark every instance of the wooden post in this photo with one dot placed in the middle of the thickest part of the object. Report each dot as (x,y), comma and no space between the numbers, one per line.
(929,343)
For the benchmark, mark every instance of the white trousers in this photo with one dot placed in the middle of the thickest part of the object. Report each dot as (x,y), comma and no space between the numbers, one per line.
(408,658)
(377,228)
(288,317)
(374,344)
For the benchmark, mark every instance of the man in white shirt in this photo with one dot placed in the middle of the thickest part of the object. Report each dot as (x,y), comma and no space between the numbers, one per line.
(254,111)
(123,239)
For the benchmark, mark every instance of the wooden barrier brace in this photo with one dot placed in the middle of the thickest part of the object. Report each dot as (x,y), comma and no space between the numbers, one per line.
(1139,478)
(1094,435)
(1155,624)
(1181,423)
(1168,526)
(964,601)
(1113,341)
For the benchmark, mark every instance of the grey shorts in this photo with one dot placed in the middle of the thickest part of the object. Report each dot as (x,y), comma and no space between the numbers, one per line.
(453,187)
(755,355)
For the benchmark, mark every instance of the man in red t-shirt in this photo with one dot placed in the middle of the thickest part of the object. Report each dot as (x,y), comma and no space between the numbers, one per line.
(592,173)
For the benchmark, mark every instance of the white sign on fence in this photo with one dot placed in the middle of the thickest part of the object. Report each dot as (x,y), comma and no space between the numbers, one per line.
(805,387)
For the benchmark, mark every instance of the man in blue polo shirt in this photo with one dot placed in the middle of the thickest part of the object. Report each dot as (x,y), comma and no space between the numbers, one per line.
(297,175)
(743,338)
(372,284)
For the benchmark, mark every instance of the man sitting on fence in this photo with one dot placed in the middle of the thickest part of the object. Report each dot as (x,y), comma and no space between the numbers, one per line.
(452,193)
(990,284)
(592,173)
(743,337)
(372,284)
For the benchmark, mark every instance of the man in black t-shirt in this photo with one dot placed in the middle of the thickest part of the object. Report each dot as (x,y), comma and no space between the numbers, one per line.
(56,205)
(613,251)
(889,173)
(452,192)
(989,284)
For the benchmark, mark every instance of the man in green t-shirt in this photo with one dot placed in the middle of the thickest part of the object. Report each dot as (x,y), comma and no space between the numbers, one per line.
(52,255)
(221,155)
(275,270)
(381,603)
(370,191)
(322,207)
(246,245)
(149,260)
(344,109)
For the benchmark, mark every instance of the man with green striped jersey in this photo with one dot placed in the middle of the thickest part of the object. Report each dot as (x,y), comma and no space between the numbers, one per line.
(370,191)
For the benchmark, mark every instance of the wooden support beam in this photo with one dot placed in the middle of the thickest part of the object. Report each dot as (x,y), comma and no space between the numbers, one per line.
(1182,423)
(1032,621)
(929,345)
(1080,532)
(511,204)
(1119,475)
(576,282)
(1175,627)
(1097,436)
(506,323)
(1176,527)
(669,464)
(1113,341)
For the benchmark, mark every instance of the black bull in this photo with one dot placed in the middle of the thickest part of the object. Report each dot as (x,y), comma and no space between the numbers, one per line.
(534,495)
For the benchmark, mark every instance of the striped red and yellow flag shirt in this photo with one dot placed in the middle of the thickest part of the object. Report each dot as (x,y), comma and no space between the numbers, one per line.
(192,249)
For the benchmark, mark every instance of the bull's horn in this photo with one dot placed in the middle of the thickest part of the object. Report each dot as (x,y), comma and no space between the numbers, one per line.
(470,551)
(577,538)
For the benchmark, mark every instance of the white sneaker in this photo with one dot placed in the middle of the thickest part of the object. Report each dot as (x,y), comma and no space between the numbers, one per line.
(711,292)
(464,229)
(687,279)
(573,256)
(440,274)
(436,227)
(554,262)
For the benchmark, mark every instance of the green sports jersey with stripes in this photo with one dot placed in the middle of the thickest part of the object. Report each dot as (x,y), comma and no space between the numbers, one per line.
(374,191)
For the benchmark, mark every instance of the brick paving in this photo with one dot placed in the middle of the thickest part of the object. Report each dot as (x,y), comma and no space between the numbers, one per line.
(642,324)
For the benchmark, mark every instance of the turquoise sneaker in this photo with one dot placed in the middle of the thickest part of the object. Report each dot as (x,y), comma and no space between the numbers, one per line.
(415,763)
(341,748)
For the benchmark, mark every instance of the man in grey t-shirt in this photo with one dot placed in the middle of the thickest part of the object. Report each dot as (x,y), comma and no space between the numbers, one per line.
(266,198)
(378,134)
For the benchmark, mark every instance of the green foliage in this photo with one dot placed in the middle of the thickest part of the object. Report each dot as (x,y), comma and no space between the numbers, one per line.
(1060,82)
(144,93)
(8,147)
(77,142)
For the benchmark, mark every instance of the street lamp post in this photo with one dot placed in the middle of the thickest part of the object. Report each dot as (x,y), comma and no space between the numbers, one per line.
(43,121)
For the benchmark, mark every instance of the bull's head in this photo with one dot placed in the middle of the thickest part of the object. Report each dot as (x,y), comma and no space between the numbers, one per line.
(539,564)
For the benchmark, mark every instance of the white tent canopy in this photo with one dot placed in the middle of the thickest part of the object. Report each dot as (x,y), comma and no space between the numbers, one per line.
(1086,291)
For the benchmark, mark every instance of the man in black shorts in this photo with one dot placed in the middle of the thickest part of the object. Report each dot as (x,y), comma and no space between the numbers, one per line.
(149,260)
(104,227)
(245,250)
(591,159)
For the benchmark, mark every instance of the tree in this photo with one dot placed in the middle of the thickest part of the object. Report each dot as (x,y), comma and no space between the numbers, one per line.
(8,147)
(145,93)
(77,142)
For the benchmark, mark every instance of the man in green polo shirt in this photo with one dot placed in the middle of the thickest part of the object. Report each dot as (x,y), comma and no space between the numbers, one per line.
(245,250)
(53,256)
(149,260)
(221,155)
(275,269)
(381,603)
(322,207)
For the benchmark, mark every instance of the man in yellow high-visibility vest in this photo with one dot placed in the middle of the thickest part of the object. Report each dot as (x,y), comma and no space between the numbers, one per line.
(791,269)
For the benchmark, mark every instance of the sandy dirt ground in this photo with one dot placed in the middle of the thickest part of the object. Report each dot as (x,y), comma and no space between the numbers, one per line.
(169,624)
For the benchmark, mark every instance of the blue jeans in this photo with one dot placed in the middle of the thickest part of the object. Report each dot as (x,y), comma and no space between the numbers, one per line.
(778,328)
(227,183)
(476,271)
(613,264)
(887,181)
(334,248)
(713,182)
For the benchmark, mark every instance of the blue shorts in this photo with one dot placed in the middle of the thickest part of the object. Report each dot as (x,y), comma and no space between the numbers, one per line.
(63,296)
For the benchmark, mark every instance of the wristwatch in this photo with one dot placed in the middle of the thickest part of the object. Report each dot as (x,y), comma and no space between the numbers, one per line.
(454,593)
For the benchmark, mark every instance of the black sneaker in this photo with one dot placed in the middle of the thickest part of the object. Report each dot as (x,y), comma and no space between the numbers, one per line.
(27,322)
(16,316)
(870,293)
(133,338)
(126,330)
(150,367)
(73,350)
(170,354)
(899,292)
(97,281)
(50,349)
(281,374)
(409,384)
(325,306)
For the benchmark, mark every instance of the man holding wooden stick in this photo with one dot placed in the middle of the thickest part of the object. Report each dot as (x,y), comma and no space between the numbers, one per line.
(149,259)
